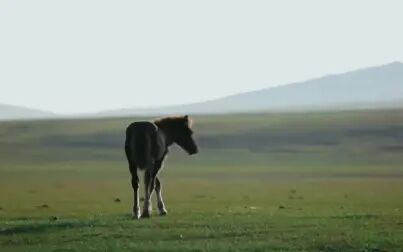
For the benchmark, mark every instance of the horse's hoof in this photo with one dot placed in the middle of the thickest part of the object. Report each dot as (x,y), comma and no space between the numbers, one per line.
(163,212)
(145,215)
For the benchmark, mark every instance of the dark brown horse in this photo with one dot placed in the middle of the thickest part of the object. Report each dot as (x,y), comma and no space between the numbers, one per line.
(146,148)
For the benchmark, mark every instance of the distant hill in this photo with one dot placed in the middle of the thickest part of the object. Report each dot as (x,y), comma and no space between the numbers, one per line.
(9,112)
(370,88)
(374,87)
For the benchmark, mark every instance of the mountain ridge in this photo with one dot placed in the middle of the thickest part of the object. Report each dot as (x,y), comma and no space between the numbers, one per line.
(282,97)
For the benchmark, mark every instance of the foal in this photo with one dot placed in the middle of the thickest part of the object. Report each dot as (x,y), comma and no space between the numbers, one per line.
(146,147)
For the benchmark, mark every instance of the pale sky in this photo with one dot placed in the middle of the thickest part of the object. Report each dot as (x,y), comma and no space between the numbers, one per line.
(86,56)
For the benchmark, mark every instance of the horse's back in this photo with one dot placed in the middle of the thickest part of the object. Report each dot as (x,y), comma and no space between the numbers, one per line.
(141,128)
(139,145)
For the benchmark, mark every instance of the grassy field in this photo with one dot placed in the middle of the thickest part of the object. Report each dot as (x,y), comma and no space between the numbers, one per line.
(268,182)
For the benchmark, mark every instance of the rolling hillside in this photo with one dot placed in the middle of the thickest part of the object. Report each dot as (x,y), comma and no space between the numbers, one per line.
(9,112)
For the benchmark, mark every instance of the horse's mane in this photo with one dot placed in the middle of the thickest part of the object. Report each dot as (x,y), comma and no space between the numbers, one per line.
(172,120)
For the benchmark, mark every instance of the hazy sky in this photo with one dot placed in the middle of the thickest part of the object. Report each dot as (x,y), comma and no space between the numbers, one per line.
(84,56)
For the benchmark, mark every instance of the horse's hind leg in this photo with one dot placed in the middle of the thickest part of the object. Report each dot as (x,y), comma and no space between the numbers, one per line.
(160,202)
(149,183)
(135,184)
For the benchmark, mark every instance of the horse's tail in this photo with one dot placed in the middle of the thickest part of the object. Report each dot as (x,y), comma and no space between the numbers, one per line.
(140,141)
(142,146)
(138,146)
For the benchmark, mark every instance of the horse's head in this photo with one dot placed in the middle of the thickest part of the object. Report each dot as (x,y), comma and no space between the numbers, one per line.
(184,136)
(179,130)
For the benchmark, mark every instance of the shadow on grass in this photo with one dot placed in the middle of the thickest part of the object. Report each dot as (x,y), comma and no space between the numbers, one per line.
(356,216)
(42,227)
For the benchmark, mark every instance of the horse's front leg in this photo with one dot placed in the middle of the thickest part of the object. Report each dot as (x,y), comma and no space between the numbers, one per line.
(160,202)
(158,188)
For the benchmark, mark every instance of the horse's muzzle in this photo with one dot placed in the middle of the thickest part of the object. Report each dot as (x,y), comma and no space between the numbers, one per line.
(193,151)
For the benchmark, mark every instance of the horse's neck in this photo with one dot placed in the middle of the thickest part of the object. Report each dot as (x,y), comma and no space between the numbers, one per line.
(167,140)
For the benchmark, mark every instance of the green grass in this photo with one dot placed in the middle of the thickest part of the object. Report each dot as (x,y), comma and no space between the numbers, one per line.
(270,182)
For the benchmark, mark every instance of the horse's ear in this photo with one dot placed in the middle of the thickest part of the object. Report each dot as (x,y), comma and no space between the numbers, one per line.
(188,121)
